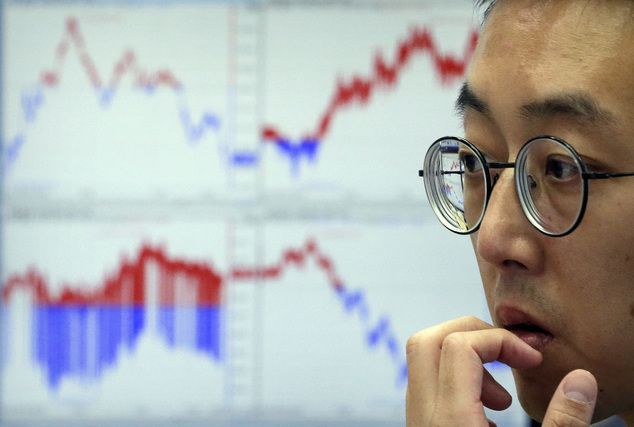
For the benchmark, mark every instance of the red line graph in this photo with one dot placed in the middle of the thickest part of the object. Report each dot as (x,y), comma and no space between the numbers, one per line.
(128,63)
(295,257)
(175,276)
(360,89)
(127,285)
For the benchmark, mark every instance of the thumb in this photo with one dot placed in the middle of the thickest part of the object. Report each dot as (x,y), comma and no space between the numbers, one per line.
(573,403)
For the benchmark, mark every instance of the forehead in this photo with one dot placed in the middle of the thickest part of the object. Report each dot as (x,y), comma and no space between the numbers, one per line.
(532,49)
(582,17)
(582,42)
(571,35)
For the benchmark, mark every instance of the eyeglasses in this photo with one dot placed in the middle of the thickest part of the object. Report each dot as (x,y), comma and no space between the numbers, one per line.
(551,182)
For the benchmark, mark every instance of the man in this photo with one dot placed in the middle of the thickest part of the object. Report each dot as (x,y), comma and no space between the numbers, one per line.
(557,268)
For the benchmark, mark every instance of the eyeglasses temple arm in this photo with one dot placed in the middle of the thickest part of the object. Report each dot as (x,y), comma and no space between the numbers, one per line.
(604,175)
(500,165)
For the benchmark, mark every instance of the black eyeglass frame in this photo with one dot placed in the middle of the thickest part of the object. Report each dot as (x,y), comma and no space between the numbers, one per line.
(431,184)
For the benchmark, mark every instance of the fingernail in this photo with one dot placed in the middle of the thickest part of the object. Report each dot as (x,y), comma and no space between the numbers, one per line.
(581,386)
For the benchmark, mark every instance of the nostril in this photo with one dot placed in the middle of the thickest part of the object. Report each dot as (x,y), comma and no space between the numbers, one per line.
(510,263)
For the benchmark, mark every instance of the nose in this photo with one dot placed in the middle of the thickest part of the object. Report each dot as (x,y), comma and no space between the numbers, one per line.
(506,239)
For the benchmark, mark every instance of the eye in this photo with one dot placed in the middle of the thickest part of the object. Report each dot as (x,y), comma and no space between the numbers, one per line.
(470,162)
(562,168)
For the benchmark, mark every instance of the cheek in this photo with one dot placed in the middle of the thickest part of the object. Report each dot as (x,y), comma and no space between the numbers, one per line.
(595,280)
(605,257)
(602,247)
(595,290)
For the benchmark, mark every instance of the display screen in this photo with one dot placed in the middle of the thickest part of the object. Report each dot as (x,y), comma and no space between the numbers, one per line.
(211,211)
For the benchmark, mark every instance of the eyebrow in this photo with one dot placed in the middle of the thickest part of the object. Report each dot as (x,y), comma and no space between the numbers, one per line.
(575,105)
(467,99)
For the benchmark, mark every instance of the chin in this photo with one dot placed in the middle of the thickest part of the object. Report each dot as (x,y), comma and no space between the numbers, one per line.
(534,395)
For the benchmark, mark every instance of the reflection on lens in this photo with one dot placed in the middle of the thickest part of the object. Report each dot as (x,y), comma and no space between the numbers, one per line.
(550,183)
(455,184)
(474,186)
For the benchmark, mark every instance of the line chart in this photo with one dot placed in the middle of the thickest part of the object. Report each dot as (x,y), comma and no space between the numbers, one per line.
(147,82)
(156,292)
(129,296)
(212,211)
(359,90)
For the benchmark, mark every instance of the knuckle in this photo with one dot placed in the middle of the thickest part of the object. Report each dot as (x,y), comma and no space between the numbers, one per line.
(469,320)
(574,415)
(417,341)
(435,337)
(454,340)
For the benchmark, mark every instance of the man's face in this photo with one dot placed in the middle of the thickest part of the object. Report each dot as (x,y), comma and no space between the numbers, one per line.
(563,68)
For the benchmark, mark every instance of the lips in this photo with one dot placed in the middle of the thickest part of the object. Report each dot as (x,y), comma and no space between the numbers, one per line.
(532,335)
(525,327)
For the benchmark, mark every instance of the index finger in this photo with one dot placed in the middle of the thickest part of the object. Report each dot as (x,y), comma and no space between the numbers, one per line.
(424,350)
(464,353)
(423,360)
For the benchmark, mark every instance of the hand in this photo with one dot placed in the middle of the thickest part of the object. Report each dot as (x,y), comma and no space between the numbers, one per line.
(573,402)
(448,385)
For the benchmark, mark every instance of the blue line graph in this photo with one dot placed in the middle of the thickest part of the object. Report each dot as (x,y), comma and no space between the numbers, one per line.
(377,333)
(32,102)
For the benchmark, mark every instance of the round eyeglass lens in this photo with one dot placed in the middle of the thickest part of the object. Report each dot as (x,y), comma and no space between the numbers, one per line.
(455,184)
(550,184)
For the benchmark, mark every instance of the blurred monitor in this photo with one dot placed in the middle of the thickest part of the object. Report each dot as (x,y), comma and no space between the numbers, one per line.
(211,213)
